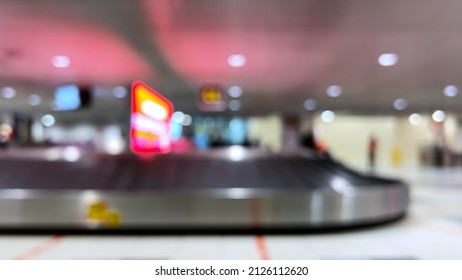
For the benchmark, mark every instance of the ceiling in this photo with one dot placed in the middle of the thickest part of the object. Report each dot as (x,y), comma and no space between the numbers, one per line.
(294,50)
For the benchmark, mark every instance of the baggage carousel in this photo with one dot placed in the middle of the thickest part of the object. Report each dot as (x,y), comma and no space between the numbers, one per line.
(229,189)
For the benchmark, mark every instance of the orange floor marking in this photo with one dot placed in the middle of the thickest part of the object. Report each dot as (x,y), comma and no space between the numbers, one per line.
(261,247)
(259,239)
(40,249)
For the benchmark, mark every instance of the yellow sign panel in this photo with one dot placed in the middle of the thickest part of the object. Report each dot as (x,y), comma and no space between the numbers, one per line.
(99,212)
(113,218)
(96,210)
(211,98)
(211,95)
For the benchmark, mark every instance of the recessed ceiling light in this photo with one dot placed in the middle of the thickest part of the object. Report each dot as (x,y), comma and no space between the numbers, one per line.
(388,59)
(236,60)
(334,91)
(400,104)
(119,92)
(61,61)
(48,120)
(34,100)
(451,91)
(8,92)
(415,119)
(234,105)
(310,104)
(438,116)
(327,116)
(235,91)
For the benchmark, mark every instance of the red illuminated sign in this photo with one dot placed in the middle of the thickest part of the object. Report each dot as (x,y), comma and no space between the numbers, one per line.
(150,120)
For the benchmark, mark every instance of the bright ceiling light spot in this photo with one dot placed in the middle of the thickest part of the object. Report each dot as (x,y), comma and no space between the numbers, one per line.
(438,116)
(327,116)
(310,104)
(119,92)
(34,100)
(400,104)
(61,61)
(388,59)
(415,119)
(451,91)
(235,91)
(236,153)
(8,92)
(48,120)
(334,91)
(71,154)
(234,105)
(236,60)
(178,117)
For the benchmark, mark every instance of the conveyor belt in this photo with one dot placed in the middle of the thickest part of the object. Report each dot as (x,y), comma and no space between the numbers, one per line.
(198,190)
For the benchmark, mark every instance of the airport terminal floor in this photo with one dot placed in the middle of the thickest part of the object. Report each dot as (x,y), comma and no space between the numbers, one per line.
(430,230)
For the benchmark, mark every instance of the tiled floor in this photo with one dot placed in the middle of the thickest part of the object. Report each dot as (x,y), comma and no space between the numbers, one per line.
(432,230)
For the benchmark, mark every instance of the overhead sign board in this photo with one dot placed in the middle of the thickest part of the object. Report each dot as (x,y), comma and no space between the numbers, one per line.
(150,120)
(211,98)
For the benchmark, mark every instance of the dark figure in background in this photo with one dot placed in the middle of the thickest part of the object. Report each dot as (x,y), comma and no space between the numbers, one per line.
(3,144)
(215,140)
(307,140)
(372,152)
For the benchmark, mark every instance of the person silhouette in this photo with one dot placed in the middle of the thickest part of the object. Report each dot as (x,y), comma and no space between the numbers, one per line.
(372,149)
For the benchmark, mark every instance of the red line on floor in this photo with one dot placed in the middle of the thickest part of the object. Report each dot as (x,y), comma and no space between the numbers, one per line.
(40,249)
(256,222)
(262,249)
